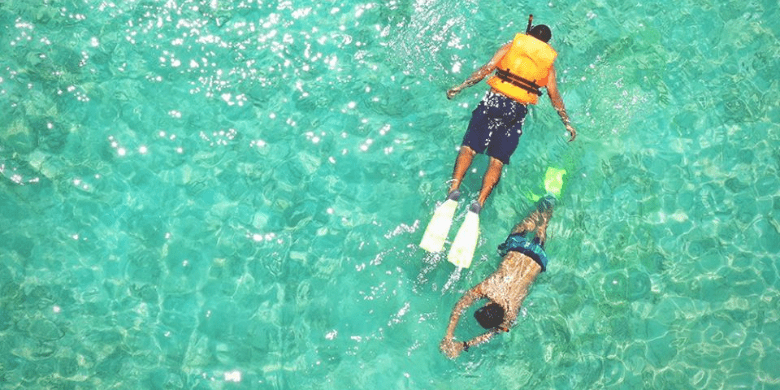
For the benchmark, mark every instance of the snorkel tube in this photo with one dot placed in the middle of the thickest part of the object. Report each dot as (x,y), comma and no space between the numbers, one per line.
(530,19)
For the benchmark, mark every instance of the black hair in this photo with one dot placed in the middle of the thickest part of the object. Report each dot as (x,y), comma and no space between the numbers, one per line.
(541,32)
(490,316)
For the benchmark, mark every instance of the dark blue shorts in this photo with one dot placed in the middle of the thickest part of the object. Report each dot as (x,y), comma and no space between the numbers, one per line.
(518,243)
(496,126)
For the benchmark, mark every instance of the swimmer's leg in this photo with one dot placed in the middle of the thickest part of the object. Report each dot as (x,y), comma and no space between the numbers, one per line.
(462,164)
(491,179)
(526,225)
(544,213)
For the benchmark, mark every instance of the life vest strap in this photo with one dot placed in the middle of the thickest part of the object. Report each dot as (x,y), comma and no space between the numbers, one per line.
(518,81)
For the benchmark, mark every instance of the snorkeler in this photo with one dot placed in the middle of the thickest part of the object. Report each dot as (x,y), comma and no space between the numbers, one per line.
(523,260)
(523,67)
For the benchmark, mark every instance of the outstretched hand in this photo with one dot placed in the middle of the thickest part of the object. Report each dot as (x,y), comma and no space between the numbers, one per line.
(453,91)
(451,348)
(571,131)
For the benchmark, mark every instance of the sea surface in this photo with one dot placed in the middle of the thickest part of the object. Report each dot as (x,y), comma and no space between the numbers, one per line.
(225,194)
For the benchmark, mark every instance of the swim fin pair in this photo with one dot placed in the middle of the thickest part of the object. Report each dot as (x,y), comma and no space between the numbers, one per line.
(462,250)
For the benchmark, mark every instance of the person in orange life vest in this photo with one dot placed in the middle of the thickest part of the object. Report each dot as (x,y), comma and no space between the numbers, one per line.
(523,66)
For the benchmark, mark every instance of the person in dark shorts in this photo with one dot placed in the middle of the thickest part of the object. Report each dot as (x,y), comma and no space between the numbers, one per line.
(523,260)
(523,67)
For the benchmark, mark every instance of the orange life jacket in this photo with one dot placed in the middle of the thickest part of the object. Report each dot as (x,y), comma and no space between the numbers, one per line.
(524,69)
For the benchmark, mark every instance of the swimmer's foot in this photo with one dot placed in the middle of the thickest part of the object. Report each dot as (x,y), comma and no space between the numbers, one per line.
(475,207)
(546,203)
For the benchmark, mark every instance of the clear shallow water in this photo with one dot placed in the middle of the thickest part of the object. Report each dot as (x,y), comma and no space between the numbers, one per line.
(228,195)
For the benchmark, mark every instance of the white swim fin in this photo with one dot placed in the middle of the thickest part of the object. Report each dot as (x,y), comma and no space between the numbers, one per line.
(439,227)
(465,243)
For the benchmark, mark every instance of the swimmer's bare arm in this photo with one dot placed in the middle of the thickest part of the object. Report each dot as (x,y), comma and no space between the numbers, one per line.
(509,318)
(465,301)
(485,337)
(448,346)
(481,73)
(557,102)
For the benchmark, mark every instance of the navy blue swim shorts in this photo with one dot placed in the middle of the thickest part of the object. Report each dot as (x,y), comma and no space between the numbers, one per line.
(496,126)
(518,243)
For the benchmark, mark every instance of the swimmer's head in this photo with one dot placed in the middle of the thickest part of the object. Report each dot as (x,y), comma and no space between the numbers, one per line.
(490,316)
(541,32)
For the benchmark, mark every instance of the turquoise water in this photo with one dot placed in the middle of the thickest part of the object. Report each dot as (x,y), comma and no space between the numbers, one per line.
(219,195)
